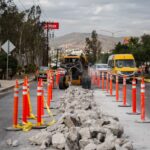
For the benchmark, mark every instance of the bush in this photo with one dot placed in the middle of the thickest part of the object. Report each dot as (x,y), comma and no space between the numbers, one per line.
(31,68)
(12,65)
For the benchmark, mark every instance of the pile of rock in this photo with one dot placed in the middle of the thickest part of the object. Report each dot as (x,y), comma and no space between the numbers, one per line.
(82,126)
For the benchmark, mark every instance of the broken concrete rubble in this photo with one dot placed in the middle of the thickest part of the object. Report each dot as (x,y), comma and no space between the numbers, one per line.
(83,126)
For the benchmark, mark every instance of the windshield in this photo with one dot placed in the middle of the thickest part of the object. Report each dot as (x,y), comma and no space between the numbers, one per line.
(71,60)
(102,66)
(125,63)
(43,68)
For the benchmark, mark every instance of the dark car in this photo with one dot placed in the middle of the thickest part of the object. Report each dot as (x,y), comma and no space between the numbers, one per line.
(42,72)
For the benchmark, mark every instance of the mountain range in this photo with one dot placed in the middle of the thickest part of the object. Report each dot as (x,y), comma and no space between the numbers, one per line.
(77,41)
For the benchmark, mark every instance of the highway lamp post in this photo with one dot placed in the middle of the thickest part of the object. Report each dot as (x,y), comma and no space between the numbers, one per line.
(112,33)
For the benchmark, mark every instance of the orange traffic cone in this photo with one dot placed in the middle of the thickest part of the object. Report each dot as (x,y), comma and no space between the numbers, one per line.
(25,103)
(124,90)
(143,120)
(15,126)
(134,112)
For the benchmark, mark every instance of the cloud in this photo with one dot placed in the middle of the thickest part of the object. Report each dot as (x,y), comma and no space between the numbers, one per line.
(129,16)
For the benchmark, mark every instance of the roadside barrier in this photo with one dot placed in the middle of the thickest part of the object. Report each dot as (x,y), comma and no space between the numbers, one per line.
(143,100)
(134,111)
(95,78)
(124,93)
(102,80)
(117,89)
(48,91)
(42,101)
(142,93)
(57,78)
(111,86)
(25,108)
(30,113)
(51,87)
(109,89)
(107,82)
(98,78)
(15,126)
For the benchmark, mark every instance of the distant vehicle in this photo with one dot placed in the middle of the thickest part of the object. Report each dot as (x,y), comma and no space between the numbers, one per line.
(74,72)
(123,64)
(42,72)
(101,68)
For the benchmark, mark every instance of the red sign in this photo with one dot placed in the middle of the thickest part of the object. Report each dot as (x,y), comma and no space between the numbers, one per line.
(51,25)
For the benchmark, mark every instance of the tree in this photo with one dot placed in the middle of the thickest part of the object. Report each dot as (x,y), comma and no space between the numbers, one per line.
(12,65)
(25,31)
(93,48)
(140,49)
(145,40)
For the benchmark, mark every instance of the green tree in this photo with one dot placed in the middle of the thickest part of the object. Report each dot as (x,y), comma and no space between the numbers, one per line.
(24,30)
(11,65)
(145,40)
(93,48)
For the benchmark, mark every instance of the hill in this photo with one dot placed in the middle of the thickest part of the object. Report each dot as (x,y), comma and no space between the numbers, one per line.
(77,40)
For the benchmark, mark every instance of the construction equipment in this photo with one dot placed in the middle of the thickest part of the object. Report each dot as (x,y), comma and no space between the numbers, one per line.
(75,72)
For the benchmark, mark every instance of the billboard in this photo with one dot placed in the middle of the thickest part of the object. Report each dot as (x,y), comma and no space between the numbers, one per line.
(51,25)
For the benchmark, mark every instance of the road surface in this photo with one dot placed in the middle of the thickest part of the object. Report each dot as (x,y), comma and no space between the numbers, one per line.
(6,109)
(129,95)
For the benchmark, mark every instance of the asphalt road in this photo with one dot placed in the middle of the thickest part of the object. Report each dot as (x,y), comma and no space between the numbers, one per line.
(129,95)
(6,106)
(6,109)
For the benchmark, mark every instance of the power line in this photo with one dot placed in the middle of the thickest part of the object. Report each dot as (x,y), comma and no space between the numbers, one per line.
(44,14)
(22,5)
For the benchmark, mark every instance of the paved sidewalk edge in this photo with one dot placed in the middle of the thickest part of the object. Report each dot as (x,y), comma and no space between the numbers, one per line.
(12,86)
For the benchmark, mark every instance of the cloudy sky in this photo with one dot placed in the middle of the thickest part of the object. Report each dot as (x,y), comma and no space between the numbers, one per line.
(123,17)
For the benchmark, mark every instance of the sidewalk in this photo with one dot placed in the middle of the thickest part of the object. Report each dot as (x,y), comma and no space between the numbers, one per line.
(137,133)
(8,84)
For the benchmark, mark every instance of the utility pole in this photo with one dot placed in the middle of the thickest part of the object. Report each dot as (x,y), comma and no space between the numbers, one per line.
(57,58)
(47,50)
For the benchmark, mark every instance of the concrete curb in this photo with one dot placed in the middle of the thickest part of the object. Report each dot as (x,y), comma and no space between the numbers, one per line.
(3,90)
(146,80)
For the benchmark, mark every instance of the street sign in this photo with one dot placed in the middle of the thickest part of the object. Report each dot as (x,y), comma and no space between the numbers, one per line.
(8,46)
(51,25)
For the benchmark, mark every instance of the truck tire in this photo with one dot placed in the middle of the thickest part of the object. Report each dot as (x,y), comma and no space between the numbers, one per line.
(86,82)
(62,84)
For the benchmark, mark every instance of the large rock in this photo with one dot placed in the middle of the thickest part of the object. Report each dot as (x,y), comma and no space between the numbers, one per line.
(58,140)
(84,142)
(109,143)
(71,121)
(42,137)
(9,142)
(15,143)
(90,146)
(128,146)
(101,137)
(116,128)
(85,133)
(73,139)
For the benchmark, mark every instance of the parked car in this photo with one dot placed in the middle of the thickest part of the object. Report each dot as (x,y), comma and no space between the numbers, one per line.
(101,68)
(42,72)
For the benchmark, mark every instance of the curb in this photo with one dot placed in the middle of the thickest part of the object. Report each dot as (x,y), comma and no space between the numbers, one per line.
(146,80)
(3,90)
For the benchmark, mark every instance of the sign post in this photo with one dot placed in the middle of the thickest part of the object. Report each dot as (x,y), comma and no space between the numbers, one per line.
(8,47)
